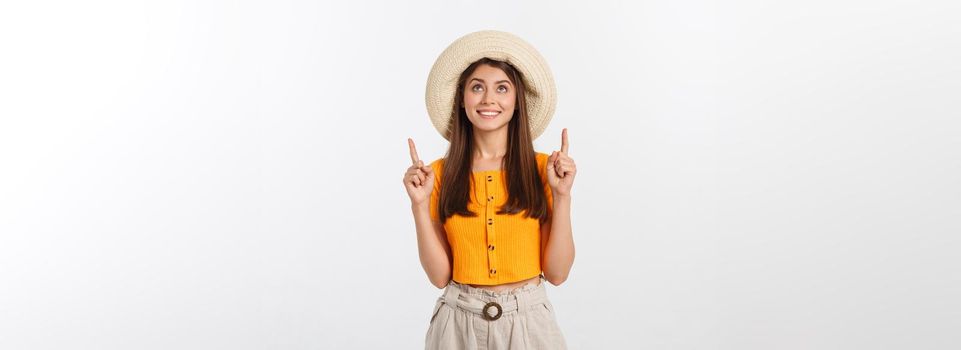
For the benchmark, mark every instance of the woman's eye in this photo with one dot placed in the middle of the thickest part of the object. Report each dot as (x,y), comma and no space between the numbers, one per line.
(477,88)
(502,88)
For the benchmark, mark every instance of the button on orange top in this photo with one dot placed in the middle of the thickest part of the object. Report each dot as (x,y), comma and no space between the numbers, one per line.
(472,239)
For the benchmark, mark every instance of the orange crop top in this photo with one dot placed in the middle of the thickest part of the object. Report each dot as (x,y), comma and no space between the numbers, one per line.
(492,248)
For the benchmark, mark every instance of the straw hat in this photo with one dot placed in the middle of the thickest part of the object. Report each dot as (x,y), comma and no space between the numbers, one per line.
(541,94)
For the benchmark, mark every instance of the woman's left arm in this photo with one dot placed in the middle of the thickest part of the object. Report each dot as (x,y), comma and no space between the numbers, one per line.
(557,240)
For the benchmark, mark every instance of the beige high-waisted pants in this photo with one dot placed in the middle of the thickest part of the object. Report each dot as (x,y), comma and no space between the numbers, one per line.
(526,319)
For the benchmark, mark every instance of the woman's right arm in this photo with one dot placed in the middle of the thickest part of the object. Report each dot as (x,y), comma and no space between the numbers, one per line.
(432,246)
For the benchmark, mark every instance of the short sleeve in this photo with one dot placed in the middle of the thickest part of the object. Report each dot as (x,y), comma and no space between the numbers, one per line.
(542,171)
(434,207)
(550,199)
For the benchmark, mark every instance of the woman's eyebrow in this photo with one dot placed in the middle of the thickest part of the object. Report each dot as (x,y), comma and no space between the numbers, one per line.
(497,82)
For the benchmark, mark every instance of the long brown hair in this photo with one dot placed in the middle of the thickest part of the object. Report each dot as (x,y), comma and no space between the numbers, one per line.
(524,188)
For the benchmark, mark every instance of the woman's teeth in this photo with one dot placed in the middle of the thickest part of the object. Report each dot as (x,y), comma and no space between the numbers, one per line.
(489,114)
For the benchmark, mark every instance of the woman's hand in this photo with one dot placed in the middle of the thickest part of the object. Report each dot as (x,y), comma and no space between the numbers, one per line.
(561,169)
(419,179)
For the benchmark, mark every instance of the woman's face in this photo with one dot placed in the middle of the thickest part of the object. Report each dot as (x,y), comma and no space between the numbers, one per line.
(489,98)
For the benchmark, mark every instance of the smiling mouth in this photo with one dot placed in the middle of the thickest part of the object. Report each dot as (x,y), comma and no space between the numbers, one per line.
(488,114)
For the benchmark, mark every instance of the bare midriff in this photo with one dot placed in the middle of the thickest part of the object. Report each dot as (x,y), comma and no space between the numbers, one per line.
(536,280)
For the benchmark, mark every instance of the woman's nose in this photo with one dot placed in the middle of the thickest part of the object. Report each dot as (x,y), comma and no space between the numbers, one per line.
(487,99)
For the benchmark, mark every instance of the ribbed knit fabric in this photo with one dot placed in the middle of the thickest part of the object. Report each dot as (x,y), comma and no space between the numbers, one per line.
(492,248)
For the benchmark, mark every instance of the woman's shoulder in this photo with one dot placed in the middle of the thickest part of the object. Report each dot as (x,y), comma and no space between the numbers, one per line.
(541,159)
(437,164)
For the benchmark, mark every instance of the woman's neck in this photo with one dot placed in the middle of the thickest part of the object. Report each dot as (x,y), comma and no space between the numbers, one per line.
(490,144)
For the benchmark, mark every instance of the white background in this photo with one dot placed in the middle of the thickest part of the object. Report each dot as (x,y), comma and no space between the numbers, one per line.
(227,175)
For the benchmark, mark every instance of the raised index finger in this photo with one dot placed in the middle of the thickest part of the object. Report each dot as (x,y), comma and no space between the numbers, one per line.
(564,141)
(413,151)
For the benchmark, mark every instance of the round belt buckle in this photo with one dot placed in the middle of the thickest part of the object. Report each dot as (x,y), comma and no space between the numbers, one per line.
(487,315)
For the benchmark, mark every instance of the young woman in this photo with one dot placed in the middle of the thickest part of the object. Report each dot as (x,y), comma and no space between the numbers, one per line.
(492,216)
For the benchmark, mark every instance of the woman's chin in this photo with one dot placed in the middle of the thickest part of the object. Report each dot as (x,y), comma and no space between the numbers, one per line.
(486,129)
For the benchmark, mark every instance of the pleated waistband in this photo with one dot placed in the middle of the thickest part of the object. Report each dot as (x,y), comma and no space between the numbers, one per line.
(474,299)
